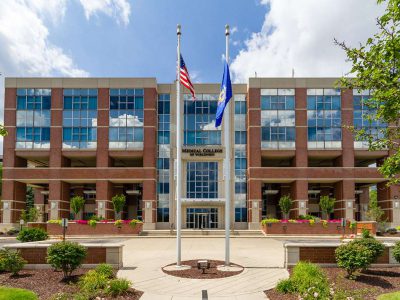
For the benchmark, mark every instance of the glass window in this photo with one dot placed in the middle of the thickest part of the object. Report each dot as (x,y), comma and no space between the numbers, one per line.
(202,180)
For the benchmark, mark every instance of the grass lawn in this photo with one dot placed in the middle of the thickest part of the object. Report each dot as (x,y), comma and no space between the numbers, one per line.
(16,294)
(391,296)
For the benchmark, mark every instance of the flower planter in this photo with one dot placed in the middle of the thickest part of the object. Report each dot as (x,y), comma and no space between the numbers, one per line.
(305,228)
(75,228)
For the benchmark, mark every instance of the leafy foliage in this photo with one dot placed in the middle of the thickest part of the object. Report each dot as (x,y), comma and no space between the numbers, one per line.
(118,287)
(118,202)
(66,256)
(376,66)
(267,221)
(396,252)
(93,283)
(32,235)
(373,245)
(77,203)
(31,215)
(327,205)
(11,261)
(105,269)
(92,223)
(285,203)
(352,257)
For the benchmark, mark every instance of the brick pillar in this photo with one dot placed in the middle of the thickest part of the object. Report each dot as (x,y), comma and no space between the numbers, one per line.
(254,157)
(345,202)
(14,193)
(301,159)
(299,194)
(59,194)
(389,201)
(103,104)
(347,158)
(104,193)
(149,208)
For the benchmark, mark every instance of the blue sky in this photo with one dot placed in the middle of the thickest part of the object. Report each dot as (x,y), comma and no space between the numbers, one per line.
(147,45)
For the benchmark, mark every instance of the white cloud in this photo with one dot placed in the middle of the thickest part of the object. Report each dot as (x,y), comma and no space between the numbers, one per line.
(299,34)
(118,9)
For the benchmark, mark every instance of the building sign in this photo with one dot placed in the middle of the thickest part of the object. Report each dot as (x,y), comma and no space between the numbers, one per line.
(202,152)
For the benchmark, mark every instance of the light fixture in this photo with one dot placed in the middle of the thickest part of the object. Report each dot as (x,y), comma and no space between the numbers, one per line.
(314,192)
(101,205)
(89,192)
(271,192)
(148,204)
(302,204)
(349,204)
(396,204)
(6,205)
(53,205)
(44,192)
(357,192)
(133,192)
(255,204)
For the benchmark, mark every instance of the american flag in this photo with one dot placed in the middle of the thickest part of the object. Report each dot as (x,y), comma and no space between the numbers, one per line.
(185,78)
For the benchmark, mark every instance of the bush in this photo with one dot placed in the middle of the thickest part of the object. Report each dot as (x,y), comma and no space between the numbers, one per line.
(12,231)
(118,287)
(352,257)
(396,251)
(32,235)
(92,223)
(66,256)
(93,283)
(118,202)
(118,223)
(32,215)
(11,261)
(134,222)
(7,293)
(306,217)
(285,203)
(267,221)
(54,222)
(106,270)
(373,245)
(285,286)
(391,230)
(77,203)
(327,205)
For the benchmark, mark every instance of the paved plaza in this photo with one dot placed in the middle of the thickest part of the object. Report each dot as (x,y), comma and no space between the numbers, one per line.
(262,258)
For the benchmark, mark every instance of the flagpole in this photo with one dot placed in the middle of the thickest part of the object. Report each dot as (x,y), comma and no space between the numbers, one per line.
(227,135)
(178,153)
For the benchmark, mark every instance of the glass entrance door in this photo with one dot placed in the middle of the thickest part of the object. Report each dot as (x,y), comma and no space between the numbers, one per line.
(202,218)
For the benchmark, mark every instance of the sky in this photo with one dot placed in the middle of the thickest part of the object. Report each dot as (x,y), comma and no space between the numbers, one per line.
(137,38)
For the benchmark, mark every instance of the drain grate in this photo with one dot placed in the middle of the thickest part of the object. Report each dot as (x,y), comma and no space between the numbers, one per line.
(204,295)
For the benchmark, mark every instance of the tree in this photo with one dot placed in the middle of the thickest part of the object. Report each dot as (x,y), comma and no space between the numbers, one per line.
(375,212)
(327,205)
(77,203)
(285,203)
(118,202)
(30,198)
(376,66)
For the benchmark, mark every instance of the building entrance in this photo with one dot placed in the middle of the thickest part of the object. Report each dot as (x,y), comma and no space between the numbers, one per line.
(202,218)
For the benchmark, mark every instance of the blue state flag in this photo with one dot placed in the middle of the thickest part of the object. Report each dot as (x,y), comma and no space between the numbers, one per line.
(224,96)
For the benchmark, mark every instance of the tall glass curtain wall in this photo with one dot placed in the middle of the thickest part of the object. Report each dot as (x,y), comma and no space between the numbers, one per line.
(126,119)
(202,180)
(199,120)
(80,118)
(278,119)
(324,118)
(240,158)
(364,117)
(33,118)
(163,157)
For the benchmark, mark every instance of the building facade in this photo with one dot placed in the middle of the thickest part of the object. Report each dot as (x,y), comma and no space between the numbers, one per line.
(98,137)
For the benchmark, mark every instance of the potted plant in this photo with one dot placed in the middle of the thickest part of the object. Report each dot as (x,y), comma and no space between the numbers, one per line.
(327,205)
(118,202)
(285,203)
(77,203)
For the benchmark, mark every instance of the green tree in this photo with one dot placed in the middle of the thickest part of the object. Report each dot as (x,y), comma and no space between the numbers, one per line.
(327,205)
(77,203)
(285,203)
(118,202)
(375,212)
(30,197)
(376,66)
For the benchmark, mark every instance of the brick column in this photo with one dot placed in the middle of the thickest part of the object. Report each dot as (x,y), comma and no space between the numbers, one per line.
(103,104)
(301,159)
(59,194)
(149,208)
(347,158)
(14,193)
(345,202)
(299,194)
(389,201)
(254,157)
(104,193)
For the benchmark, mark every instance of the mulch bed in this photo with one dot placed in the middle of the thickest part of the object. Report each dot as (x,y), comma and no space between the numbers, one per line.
(374,282)
(47,283)
(195,273)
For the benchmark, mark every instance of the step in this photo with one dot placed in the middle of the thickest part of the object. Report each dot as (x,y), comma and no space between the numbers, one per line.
(199,232)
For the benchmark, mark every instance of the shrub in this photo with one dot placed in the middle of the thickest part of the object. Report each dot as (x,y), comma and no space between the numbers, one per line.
(11,261)
(32,215)
(12,231)
(365,234)
(266,221)
(306,217)
(7,293)
(118,223)
(396,251)
(32,235)
(134,222)
(54,222)
(92,223)
(312,222)
(398,228)
(118,202)
(93,283)
(327,205)
(105,269)
(118,287)
(66,256)
(391,230)
(285,203)
(373,245)
(77,203)
(352,257)
(285,286)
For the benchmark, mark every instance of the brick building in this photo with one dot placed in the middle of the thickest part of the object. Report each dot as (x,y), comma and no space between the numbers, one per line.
(98,137)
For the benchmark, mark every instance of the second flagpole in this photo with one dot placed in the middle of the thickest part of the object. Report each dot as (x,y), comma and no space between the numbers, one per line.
(178,153)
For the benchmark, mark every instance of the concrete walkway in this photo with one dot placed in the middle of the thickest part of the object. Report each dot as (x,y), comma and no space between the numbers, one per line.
(262,258)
